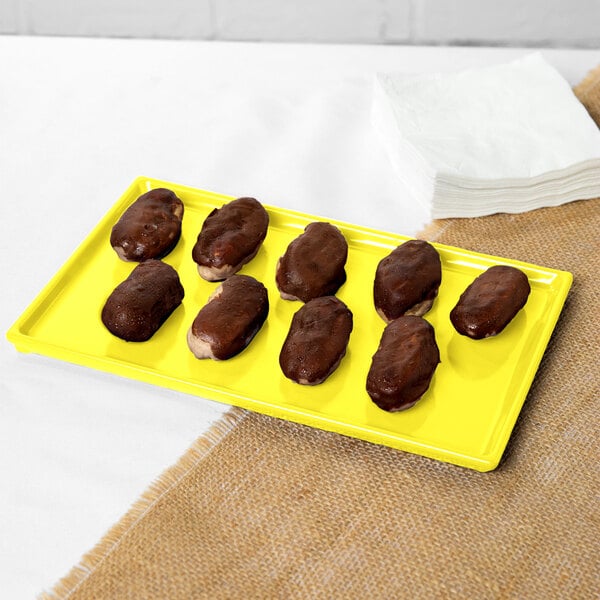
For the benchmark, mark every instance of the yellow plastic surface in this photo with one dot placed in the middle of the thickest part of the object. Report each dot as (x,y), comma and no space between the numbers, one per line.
(465,418)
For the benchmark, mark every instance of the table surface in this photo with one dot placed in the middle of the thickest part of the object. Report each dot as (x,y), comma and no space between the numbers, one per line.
(79,120)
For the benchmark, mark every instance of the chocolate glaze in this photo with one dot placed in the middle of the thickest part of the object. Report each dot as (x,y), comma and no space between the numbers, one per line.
(138,306)
(230,319)
(490,303)
(230,237)
(407,280)
(316,341)
(150,227)
(403,364)
(313,263)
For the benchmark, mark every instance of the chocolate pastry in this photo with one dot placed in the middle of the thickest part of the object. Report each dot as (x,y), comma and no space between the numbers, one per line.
(316,341)
(404,363)
(230,237)
(313,264)
(491,302)
(230,319)
(150,227)
(138,306)
(407,280)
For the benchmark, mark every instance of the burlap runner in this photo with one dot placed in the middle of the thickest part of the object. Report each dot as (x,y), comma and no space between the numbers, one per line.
(262,508)
(588,91)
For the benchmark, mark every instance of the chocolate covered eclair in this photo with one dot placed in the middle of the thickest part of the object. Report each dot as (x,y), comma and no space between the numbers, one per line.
(313,264)
(407,280)
(490,302)
(230,319)
(229,238)
(140,304)
(149,228)
(404,363)
(316,341)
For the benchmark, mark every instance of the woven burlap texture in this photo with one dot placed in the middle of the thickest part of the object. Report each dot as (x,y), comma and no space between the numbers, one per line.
(263,508)
(588,91)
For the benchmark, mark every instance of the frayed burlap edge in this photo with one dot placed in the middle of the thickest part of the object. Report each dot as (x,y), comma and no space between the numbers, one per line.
(167,481)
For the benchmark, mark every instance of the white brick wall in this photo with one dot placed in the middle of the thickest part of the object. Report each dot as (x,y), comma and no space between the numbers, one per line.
(315,20)
(571,23)
(504,22)
(119,18)
(9,16)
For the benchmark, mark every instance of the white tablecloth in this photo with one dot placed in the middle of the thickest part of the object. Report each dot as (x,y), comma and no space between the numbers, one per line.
(79,120)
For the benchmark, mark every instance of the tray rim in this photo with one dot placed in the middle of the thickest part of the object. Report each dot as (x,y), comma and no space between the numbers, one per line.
(486,462)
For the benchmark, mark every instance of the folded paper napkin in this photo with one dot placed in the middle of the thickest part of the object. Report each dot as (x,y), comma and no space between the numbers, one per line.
(507,138)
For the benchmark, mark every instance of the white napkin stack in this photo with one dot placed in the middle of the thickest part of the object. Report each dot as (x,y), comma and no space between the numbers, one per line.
(507,138)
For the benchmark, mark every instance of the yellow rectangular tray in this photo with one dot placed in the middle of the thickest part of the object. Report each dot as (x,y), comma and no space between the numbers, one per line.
(466,417)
